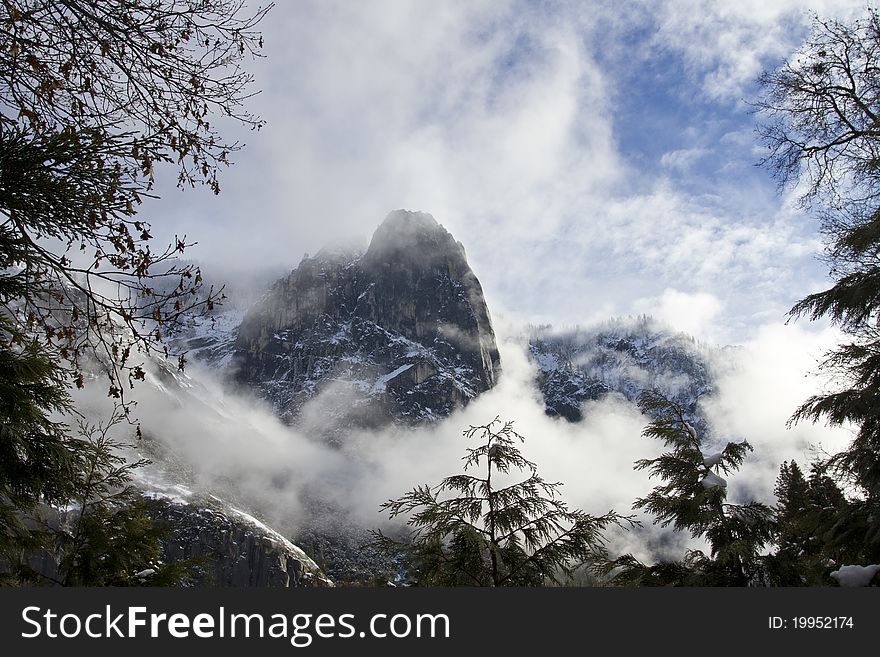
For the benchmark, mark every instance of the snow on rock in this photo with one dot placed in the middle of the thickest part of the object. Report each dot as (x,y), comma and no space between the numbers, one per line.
(209,339)
(274,535)
(622,356)
(237,548)
(342,325)
(712,480)
(855,575)
(155,485)
(382,381)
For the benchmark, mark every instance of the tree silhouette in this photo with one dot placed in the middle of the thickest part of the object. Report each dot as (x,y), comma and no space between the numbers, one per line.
(822,124)
(95,95)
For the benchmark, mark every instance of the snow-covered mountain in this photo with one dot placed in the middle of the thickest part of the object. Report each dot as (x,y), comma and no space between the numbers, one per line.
(623,356)
(401,333)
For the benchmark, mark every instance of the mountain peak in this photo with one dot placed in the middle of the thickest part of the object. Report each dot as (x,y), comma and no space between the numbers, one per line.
(407,235)
(401,334)
(411,222)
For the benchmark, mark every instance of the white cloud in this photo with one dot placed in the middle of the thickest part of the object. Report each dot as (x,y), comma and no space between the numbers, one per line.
(682,159)
(693,313)
(726,45)
(773,374)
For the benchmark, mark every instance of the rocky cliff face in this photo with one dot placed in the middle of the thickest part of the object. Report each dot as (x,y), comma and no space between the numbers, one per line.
(227,547)
(232,548)
(626,357)
(400,333)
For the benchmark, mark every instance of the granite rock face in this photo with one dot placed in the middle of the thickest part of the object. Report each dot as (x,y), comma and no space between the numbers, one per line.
(232,548)
(399,334)
(228,547)
(624,357)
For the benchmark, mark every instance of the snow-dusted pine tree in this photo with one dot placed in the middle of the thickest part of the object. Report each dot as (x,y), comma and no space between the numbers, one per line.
(693,498)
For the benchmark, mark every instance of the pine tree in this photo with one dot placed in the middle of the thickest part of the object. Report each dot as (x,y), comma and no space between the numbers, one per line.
(849,528)
(821,114)
(484,530)
(798,528)
(791,490)
(818,529)
(109,538)
(693,498)
(38,462)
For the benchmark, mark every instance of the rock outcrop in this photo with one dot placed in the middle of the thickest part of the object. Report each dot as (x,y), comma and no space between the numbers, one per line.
(400,333)
(232,548)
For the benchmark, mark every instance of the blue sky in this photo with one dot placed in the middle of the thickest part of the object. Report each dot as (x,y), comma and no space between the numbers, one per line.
(595,158)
